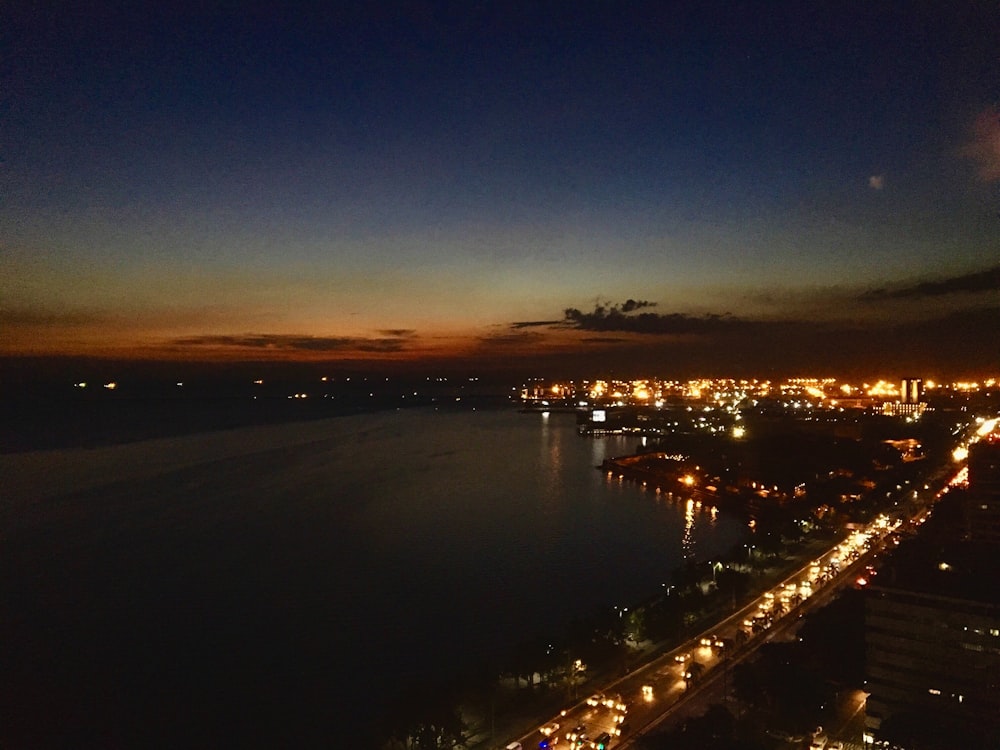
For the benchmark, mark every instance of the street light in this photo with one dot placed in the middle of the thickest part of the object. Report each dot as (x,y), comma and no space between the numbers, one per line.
(715,566)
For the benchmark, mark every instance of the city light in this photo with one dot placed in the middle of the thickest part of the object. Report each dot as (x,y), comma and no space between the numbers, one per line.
(986,427)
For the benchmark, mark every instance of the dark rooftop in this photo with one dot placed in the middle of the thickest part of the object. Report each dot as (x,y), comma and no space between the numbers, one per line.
(952,568)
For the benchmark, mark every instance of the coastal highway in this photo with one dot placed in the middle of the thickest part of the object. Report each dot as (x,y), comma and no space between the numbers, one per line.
(654,693)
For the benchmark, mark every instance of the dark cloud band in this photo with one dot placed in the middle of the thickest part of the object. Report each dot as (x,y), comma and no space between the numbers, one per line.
(618,318)
(275,342)
(970,283)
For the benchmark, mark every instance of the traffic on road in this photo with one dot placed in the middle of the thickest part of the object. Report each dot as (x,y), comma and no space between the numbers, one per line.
(647,696)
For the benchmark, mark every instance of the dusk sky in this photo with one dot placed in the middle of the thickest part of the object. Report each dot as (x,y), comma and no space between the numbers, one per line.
(698,186)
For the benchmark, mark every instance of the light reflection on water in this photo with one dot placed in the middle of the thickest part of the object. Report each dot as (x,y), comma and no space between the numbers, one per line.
(510,531)
(687,541)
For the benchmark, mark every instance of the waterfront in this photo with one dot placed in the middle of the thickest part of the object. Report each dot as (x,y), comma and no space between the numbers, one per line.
(255,582)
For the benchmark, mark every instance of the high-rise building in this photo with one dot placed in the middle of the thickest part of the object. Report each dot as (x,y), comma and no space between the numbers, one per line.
(911,391)
(982,504)
(984,466)
(933,646)
(932,622)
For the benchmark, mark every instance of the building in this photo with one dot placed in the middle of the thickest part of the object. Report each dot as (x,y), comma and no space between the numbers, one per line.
(911,391)
(982,508)
(899,409)
(911,400)
(932,624)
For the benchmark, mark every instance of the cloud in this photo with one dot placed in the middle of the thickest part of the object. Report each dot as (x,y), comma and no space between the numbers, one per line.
(516,338)
(616,318)
(398,332)
(574,321)
(386,345)
(293,343)
(725,346)
(604,340)
(535,323)
(876,181)
(970,283)
(631,305)
(984,147)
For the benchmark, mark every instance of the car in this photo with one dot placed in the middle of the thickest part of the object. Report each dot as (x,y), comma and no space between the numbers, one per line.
(549,742)
(549,729)
(595,700)
(601,741)
(576,733)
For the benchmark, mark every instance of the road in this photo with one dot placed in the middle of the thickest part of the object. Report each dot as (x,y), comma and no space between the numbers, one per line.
(670,687)
(687,679)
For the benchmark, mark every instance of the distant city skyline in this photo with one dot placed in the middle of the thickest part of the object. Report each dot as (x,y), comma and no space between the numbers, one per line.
(647,187)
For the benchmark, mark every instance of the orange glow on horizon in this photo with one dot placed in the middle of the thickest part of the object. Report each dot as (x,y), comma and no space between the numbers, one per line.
(401,345)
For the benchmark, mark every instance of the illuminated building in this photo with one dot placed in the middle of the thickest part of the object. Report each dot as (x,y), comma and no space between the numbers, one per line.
(896,409)
(910,403)
(911,391)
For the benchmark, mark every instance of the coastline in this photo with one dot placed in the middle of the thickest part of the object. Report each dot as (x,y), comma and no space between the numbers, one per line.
(191,547)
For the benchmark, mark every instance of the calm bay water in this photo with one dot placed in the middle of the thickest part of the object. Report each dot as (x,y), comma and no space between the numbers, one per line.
(265,583)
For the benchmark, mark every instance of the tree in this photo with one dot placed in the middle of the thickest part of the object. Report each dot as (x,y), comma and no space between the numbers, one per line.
(427,719)
(535,655)
(635,625)
(716,729)
(748,685)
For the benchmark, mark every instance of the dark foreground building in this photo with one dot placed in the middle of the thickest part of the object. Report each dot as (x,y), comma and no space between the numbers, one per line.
(982,512)
(933,623)
(933,647)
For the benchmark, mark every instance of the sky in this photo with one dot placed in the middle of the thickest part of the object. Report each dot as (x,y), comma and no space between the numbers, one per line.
(576,187)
